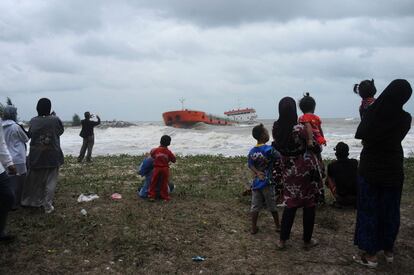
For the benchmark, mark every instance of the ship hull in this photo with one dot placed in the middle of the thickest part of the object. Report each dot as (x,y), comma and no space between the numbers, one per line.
(189,118)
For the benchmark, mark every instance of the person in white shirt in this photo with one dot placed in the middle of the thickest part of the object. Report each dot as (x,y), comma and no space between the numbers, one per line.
(16,139)
(6,194)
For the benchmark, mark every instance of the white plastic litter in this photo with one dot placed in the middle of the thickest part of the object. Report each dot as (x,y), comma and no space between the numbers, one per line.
(84,212)
(86,198)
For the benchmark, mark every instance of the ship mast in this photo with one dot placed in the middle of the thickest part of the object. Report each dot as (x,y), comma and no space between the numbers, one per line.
(182,100)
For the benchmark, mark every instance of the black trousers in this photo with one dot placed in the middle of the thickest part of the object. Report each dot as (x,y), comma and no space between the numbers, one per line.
(288,218)
(6,200)
(87,145)
(16,185)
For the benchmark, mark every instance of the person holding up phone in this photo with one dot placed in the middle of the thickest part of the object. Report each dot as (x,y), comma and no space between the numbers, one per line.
(88,136)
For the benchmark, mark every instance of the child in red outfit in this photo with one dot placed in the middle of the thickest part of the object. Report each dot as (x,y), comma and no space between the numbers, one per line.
(162,157)
(315,134)
(311,121)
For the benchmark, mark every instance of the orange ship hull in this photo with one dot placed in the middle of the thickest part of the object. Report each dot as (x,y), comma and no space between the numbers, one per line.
(188,118)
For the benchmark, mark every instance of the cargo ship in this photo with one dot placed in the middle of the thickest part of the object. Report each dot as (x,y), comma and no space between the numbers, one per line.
(246,115)
(189,118)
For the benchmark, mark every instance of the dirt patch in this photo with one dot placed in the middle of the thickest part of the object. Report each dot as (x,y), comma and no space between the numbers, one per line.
(206,217)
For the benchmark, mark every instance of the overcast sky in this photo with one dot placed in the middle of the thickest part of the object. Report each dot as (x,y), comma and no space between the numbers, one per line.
(133,60)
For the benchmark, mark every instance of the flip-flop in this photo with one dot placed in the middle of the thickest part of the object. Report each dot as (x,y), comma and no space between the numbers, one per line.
(363,261)
(312,243)
(389,259)
(281,246)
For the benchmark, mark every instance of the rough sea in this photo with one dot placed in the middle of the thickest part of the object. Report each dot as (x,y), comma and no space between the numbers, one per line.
(206,139)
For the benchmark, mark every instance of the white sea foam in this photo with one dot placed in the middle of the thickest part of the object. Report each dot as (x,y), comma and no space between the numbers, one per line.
(211,140)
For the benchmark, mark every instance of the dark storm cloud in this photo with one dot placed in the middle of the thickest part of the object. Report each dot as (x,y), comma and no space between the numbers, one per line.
(24,21)
(234,12)
(142,55)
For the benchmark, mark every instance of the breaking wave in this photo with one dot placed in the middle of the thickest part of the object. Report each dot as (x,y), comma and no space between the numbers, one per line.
(210,140)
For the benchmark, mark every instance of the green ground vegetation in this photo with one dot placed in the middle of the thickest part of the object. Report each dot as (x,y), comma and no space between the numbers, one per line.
(207,217)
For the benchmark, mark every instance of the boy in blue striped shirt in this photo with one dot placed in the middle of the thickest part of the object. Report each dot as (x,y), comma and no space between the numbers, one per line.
(259,159)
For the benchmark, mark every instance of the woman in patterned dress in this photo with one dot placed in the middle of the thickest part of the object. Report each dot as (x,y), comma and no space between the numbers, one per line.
(298,170)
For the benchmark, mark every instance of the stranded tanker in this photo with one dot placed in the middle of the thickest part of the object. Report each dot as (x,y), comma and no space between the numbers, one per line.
(188,118)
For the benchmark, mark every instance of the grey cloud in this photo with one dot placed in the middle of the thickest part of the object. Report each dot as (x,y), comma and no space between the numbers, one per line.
(12,26)
(39,84)
(136,54)
(73,16)
(235,12)
(94,46)
(12,33)
(57,65)
(24,21)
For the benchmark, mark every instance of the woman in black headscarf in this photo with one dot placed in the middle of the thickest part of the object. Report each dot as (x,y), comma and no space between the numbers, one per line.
(298,170)
(382,129)
(45,158)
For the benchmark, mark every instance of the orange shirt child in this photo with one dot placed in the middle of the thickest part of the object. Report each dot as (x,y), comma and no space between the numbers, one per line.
(315,123)
(162,157)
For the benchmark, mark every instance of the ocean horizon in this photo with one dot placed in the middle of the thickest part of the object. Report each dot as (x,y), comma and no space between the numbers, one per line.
(228,141)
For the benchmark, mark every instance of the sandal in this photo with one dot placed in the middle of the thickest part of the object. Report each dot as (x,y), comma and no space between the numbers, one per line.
(310,244)
(281,245)
(362,260)
(389,257)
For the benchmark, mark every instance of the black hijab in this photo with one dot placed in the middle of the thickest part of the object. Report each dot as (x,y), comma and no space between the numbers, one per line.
(283,127)
(43,107)
(386,118)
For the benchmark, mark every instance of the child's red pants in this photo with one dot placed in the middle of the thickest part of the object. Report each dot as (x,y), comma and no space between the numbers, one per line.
(161,175)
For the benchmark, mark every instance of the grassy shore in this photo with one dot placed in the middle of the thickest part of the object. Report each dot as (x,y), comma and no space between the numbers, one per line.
(207,217)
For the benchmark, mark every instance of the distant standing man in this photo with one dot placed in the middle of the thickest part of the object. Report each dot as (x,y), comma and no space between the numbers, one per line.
(88,136)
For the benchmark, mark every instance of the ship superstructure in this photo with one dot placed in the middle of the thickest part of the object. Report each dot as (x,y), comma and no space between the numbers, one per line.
(246,115)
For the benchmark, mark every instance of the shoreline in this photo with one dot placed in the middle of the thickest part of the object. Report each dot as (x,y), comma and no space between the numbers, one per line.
(408,158)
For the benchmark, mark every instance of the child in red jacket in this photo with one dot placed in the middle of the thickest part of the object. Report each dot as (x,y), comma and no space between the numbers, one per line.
(316,137)
(311,121)
(162,157)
